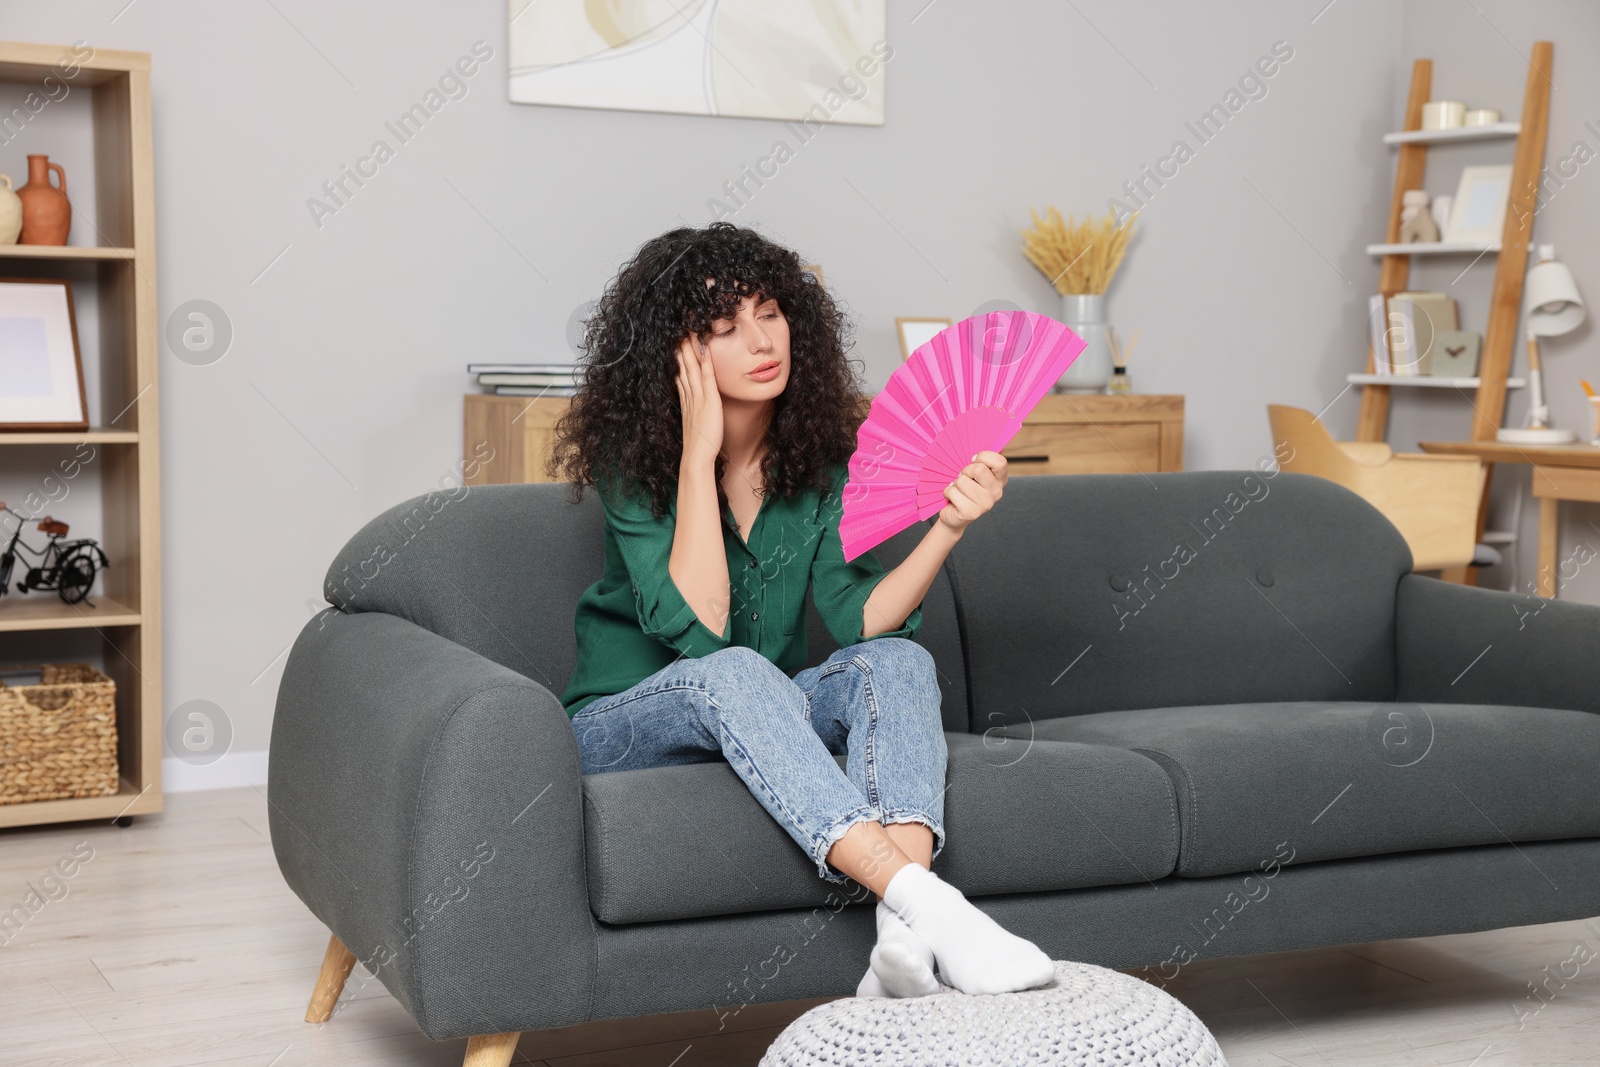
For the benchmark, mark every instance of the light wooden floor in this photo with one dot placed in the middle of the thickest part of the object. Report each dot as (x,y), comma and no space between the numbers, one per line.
(178,943)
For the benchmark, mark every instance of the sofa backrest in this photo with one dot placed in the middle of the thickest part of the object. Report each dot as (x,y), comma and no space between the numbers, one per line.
(1100,592)
(499,569)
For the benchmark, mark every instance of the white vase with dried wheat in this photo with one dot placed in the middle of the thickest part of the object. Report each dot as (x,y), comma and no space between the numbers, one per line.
(1080,261)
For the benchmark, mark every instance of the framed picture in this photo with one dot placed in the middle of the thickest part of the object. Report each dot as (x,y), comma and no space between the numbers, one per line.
(41,370)
(815,269)
(1478,215)
(811,62)
(914,333)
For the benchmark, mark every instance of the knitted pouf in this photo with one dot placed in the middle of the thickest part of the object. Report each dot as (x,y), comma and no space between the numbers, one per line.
(1087,1016)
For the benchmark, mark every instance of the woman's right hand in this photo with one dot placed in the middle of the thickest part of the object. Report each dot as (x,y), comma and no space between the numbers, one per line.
(700,402)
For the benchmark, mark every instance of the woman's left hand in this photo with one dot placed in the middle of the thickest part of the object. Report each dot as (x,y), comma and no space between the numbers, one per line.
(976,489)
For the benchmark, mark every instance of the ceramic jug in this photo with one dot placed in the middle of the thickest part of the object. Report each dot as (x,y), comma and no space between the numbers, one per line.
(10,213)
(46,212)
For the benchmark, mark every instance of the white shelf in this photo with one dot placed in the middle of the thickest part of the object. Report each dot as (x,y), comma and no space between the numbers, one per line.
(1429,381)
(1431,248)
(1457,133)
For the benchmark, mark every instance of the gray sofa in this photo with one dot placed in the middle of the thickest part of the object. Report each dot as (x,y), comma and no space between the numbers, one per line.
(1189,715)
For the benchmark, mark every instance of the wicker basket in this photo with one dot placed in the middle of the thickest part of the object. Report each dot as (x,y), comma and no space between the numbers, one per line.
(58,738)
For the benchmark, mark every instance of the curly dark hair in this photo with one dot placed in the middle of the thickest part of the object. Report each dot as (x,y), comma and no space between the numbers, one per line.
(625,417)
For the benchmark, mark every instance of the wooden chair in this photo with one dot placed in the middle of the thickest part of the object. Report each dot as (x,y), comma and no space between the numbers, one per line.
(1432,500)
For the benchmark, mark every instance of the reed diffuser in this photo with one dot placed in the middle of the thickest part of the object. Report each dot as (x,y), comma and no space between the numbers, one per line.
(1080,259)
(1120,385)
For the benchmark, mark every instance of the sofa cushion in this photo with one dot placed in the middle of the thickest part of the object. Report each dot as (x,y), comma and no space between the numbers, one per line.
(1331,780)
(499,569)
(1085,593)
(690,840)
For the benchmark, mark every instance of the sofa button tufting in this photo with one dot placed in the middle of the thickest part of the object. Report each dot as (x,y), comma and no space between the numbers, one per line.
(1120,583)
(1264,576)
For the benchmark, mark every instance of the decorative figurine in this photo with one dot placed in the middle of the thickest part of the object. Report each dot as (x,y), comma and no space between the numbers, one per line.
(1416,223)
(68,567)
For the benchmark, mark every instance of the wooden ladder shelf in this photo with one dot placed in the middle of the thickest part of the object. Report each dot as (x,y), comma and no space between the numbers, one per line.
(1510,268)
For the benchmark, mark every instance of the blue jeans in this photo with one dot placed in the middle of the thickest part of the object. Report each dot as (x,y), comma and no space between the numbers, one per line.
(876,702)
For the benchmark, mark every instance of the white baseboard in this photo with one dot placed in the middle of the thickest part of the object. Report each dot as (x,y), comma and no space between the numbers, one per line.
(232,770)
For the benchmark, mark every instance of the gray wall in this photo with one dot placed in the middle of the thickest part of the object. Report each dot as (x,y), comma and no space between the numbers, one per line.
(341,394)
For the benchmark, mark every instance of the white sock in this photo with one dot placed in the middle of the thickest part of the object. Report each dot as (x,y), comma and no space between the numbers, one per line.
(975,954)
(902,963)
(902,960)
(871,985)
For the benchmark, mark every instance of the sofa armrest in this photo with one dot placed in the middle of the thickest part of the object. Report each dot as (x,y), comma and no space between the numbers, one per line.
(426,803)
(1462,644)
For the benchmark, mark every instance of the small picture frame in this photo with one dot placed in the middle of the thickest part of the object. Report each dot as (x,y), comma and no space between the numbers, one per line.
(914,333)
(41,369)
(814,269)
(1478,212)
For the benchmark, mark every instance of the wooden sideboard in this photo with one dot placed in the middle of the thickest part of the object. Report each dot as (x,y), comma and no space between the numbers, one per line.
(1069,434)
(1064,434)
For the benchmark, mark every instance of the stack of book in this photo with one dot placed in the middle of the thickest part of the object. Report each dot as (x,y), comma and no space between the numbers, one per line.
(1403,327)
(527,379)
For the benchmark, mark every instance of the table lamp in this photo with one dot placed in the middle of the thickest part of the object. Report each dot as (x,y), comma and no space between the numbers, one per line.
(1554,307)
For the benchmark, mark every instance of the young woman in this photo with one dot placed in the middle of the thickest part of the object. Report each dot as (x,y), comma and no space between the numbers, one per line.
(716,420)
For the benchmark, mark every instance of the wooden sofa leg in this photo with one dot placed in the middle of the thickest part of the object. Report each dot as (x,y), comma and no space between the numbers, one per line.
(337,963)
(491,1050)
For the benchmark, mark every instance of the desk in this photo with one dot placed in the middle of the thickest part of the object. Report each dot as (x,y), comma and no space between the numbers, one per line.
(510,436)
(1560,472)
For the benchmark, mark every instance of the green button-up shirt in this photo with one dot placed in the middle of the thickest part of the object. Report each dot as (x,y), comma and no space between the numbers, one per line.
(634,620)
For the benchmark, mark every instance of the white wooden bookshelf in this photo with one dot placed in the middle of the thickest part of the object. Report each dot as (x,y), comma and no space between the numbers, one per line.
(1527,140)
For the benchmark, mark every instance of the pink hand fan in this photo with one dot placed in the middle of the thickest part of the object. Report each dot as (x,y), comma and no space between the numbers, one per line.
(964,391)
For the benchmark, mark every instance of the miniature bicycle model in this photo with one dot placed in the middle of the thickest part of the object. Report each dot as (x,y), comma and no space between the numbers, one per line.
(68,567)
